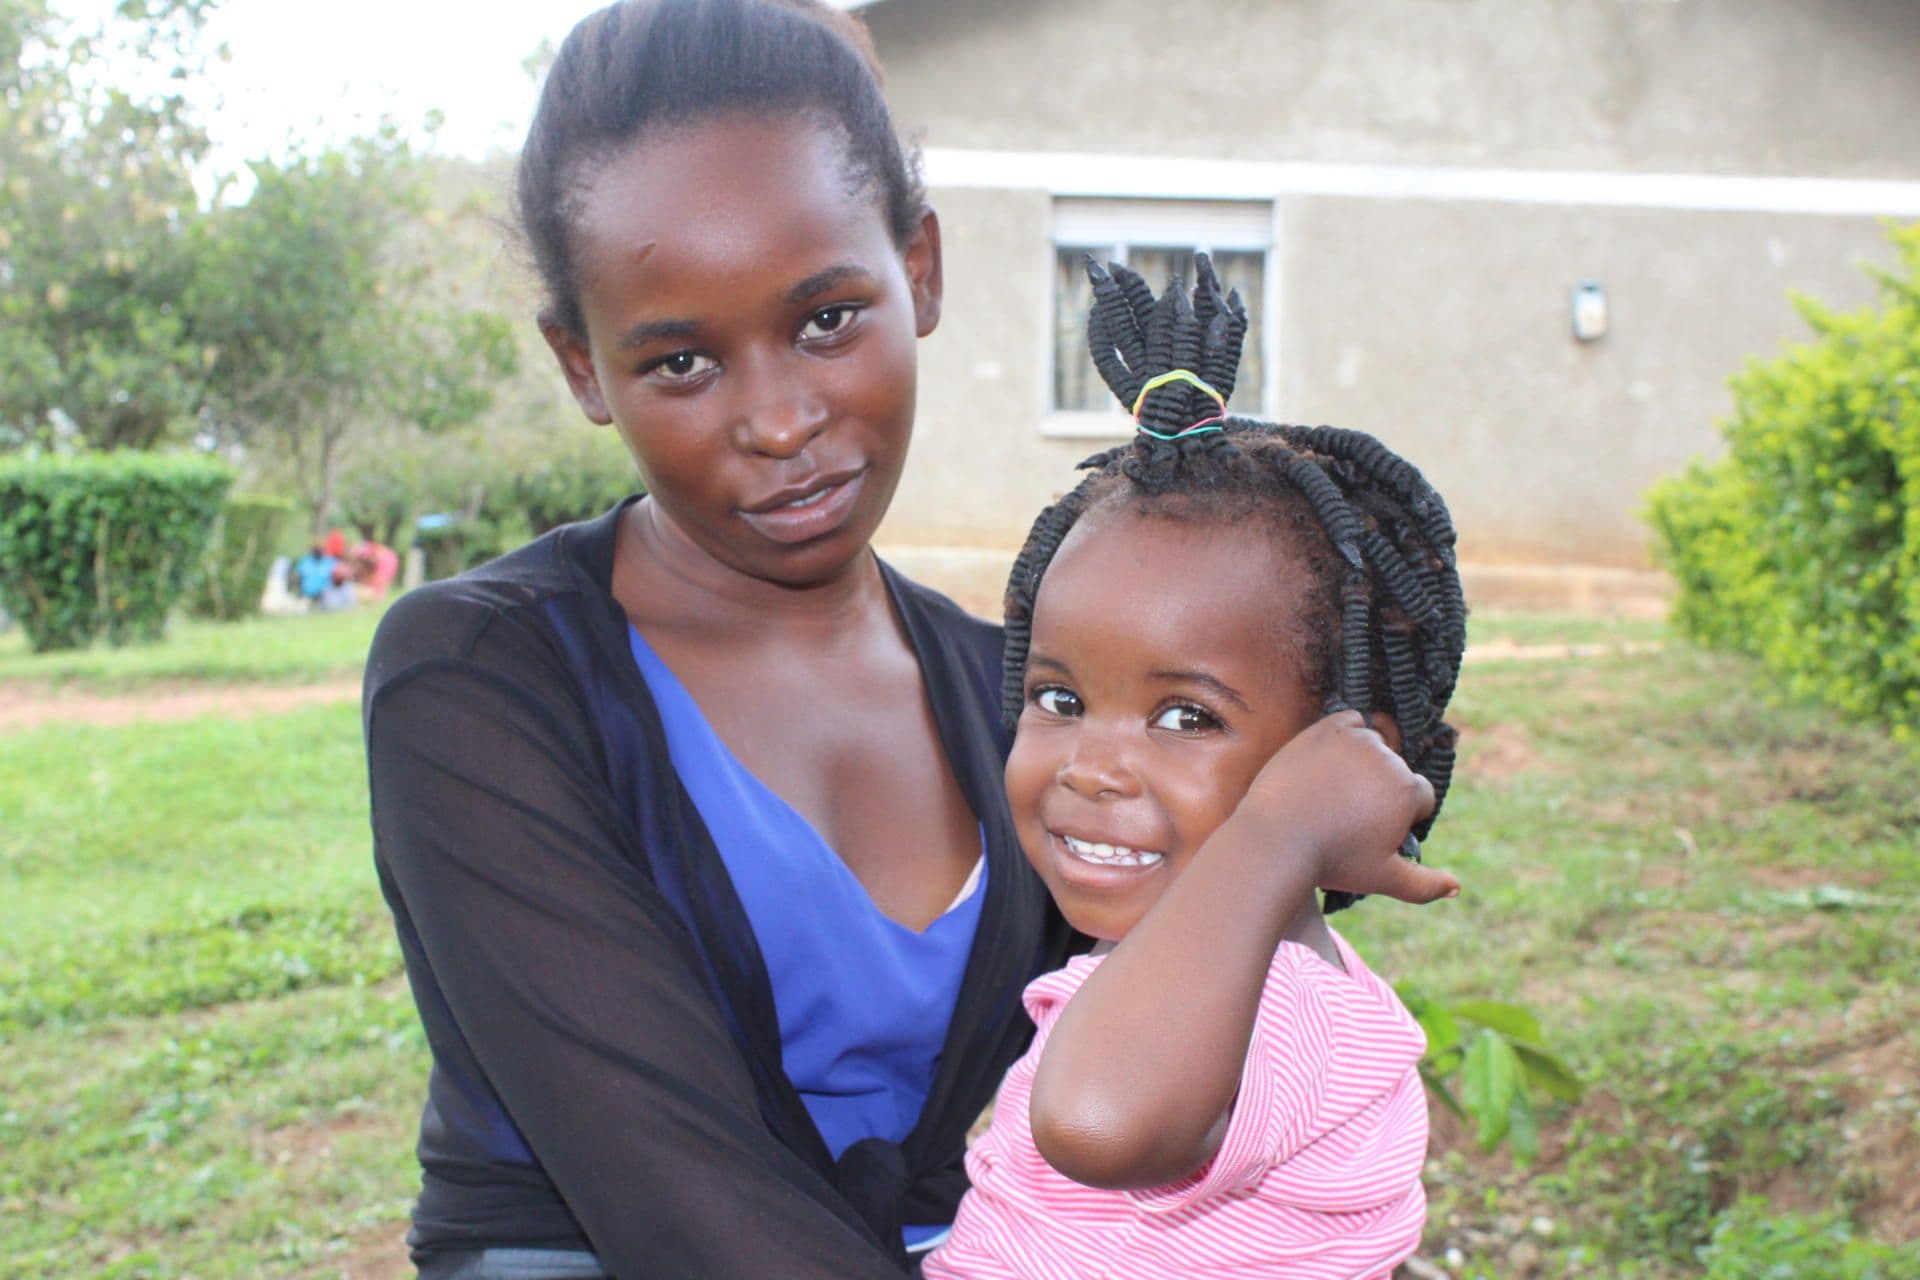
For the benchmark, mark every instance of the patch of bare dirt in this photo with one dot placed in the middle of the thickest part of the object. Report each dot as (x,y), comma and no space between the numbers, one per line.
(377,1253)
(29,706)
(1506,650)
(1496,752)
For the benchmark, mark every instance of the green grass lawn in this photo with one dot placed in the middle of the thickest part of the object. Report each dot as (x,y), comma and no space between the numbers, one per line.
(299,649)
(1499,627)
(209,1065)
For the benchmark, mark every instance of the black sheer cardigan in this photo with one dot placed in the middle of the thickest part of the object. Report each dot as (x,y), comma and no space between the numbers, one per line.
(606,1058)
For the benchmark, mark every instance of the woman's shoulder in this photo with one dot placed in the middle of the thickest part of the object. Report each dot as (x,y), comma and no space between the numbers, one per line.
(489,613)
(978,636)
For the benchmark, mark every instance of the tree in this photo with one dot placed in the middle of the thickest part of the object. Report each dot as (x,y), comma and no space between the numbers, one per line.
(97,210)
(325,317)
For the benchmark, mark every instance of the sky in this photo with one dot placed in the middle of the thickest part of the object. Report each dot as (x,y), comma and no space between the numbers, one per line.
(328,71)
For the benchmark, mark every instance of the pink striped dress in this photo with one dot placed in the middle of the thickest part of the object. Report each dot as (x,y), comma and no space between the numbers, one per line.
(1317,1178)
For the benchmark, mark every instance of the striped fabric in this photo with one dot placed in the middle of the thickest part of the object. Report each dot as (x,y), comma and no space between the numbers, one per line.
(1317,1178)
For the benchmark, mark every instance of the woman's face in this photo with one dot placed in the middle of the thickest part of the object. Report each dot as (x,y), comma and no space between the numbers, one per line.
(750,330)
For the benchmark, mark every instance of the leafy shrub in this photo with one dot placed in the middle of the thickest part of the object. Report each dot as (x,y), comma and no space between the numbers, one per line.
(1802,545)
(586,473)
(240,551)
(98,545)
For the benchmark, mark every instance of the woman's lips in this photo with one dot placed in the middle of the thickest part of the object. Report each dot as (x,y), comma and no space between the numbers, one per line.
(811,515)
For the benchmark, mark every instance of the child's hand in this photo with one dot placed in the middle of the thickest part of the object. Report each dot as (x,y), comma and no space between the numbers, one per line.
(1344,798)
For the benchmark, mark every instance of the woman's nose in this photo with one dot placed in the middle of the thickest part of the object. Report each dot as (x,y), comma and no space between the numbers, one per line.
(781,418)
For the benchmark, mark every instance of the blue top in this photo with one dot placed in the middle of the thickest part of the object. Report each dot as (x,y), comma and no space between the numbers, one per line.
(863,1001)
(315,573)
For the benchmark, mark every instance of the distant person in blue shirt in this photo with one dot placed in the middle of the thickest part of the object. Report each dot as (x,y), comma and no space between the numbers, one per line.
(313,573)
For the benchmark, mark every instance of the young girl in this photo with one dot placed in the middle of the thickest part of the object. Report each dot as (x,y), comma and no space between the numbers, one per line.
(690,816)
(1223,1088)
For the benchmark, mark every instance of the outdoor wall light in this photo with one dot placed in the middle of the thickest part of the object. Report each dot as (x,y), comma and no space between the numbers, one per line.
(1589,311)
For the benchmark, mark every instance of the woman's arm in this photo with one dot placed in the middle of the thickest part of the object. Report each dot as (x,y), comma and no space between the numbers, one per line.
(572,984)
(1138,1079)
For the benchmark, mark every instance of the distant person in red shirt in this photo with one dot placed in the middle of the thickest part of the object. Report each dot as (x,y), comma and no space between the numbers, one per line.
(375,566)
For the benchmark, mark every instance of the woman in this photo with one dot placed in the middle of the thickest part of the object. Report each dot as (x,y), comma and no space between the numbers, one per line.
(690,816)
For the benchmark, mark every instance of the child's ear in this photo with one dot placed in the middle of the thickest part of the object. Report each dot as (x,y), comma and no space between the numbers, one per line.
(1387,727)
(576,363)
(924,277)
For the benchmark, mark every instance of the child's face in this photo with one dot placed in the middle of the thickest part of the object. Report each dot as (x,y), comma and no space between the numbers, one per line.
(1158,683)
(751,330)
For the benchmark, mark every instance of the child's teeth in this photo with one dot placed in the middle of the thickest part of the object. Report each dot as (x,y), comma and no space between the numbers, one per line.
(1110,854)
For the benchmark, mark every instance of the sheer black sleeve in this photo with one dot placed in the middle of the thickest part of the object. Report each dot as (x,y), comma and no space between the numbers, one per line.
(553,977)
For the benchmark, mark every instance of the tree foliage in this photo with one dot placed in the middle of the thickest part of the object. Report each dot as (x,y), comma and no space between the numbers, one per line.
(97,211)
(324,316)
(279,326)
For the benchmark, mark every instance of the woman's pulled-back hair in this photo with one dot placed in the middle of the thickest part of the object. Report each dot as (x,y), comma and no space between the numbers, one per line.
(639,65)
(1381,623)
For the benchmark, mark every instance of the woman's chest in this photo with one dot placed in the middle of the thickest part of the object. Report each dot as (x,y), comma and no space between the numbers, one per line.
(856,750)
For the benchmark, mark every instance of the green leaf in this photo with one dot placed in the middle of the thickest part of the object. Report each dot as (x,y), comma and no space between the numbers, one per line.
(1438,1087)
(1552,1075)
(1489,1082)
(1523,1134)
(1508,1019)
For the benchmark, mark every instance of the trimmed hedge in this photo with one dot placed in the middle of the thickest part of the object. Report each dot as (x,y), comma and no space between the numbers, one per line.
(1802,545)
(240,550)
(102,544)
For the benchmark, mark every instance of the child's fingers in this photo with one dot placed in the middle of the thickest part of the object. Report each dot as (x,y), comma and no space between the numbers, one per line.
(1413,883)
(1423,801)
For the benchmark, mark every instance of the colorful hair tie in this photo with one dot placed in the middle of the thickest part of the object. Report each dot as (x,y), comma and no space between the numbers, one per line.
(1200,428)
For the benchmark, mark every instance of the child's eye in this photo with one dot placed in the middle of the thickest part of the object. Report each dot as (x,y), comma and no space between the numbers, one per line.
(828,321)
(1056,701)
(681,366)
(1184,717)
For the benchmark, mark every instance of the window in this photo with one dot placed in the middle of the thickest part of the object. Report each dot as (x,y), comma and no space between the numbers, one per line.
(1157,238)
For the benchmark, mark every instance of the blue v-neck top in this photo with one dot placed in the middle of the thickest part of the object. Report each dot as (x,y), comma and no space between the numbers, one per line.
(863,1001)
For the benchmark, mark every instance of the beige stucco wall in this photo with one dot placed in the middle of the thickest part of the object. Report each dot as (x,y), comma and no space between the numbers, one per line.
(1441,326)
(1714,86)
(1444,329)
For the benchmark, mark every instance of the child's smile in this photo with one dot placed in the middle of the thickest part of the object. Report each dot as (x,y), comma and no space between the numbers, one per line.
(1154,694)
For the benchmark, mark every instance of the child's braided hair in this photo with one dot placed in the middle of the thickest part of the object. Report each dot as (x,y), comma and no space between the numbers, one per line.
(1383,624)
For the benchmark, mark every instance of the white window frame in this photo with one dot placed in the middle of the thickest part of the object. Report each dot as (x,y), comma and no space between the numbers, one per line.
(1109,225)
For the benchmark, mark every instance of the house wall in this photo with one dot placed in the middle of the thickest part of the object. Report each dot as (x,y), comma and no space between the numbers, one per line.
(1712,86)
(1439,324)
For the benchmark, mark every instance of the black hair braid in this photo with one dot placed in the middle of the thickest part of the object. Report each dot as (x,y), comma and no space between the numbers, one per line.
(1384,620)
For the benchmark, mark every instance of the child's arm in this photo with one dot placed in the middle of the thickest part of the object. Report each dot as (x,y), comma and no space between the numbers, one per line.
(1140,1073)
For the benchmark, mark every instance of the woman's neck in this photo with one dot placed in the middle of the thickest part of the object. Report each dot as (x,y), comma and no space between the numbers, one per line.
(652,550)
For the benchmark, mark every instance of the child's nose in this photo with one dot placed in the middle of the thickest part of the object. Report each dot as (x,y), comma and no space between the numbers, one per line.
(1097,768)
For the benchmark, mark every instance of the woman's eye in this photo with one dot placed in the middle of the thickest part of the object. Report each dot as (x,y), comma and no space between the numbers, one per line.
(1056,701)
(681,366)
(1186,718)
(827,321)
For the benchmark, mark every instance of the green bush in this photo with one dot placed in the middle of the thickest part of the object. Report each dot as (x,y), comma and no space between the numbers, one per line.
(1802,545)
(240,551)
(587,472)
(102,544)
